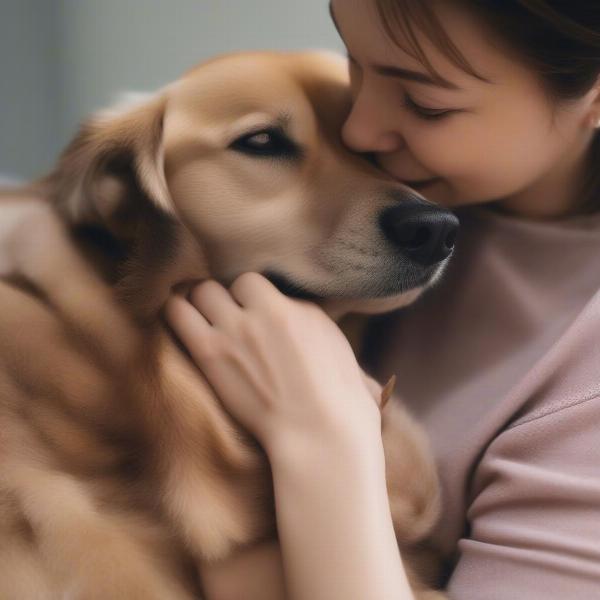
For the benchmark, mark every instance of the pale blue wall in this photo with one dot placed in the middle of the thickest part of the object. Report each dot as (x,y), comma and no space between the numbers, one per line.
(28,85)
(62,59)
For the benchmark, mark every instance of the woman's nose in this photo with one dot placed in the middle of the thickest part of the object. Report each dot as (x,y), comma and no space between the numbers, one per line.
(366,129)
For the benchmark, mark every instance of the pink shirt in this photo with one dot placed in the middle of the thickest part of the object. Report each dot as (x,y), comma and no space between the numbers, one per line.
(501,364)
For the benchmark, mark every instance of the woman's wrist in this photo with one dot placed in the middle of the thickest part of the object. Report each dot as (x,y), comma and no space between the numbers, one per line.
(311,466)
(291,451)
(334,521)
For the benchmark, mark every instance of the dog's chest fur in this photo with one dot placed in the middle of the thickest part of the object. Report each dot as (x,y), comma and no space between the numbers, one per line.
(115,459)
(119,470)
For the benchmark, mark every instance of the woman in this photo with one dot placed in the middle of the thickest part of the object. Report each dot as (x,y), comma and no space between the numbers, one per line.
(486,103)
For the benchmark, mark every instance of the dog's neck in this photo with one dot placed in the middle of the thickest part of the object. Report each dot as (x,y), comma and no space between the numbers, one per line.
(144,270)
(163,259)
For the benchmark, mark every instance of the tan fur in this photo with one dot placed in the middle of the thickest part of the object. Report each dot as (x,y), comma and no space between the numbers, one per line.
(119,470)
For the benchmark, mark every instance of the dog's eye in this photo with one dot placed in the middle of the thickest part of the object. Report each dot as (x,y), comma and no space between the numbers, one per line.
(272,142)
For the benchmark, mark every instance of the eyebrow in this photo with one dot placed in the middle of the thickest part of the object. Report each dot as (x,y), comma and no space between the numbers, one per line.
(400,73)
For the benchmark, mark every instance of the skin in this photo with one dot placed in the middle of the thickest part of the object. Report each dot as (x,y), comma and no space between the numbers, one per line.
(503,142)
(517,148)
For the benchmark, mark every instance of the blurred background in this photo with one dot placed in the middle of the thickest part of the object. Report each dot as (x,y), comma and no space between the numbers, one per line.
(62,59)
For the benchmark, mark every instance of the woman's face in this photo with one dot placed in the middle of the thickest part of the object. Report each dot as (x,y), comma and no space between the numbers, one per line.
(466,141)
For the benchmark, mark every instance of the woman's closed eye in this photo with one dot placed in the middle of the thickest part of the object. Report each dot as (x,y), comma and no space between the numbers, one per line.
(427,113)
(420,111)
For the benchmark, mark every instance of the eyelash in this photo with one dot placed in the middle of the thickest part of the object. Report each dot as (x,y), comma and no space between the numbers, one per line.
(428,114)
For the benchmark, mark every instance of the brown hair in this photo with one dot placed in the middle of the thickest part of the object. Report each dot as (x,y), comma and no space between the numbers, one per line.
(559,40)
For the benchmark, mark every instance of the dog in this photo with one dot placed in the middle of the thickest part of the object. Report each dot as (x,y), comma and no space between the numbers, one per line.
(120,472)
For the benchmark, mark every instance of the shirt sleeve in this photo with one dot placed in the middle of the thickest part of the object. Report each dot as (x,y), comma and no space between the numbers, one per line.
(534,512)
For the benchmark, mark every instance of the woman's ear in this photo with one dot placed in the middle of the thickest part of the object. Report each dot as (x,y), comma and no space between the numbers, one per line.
(113,165)
(593,116)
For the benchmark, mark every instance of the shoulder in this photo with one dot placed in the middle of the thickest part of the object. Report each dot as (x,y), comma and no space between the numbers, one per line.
(532,515)
(567,374)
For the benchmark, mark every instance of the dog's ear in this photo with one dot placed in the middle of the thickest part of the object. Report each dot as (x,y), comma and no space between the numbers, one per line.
(114,166)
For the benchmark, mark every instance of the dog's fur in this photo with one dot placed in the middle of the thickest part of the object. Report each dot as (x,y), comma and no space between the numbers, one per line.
(119,470)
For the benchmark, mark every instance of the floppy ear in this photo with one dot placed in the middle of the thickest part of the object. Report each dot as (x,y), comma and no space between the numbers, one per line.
(112,167)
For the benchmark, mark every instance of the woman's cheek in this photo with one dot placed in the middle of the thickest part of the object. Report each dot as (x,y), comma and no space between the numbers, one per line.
(466,175)
(443,155)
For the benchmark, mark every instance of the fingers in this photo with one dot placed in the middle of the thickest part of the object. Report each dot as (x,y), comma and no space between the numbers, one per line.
(220,307)
(212,308)
(252,290)
(190,326)
(216,304)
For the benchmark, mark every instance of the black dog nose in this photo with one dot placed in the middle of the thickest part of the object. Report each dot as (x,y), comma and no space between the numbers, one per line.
(425,232)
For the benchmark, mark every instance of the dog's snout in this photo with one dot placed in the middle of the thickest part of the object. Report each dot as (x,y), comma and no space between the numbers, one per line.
(425,232)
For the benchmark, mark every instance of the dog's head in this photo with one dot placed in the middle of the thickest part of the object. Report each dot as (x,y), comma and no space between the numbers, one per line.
(242,159)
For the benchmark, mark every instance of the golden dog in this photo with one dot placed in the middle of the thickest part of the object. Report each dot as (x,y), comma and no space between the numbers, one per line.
(120,473)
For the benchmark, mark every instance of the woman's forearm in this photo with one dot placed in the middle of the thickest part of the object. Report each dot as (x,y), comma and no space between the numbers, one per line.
(334,522)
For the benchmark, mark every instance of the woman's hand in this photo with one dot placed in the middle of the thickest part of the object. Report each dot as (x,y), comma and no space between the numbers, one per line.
(280,366)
